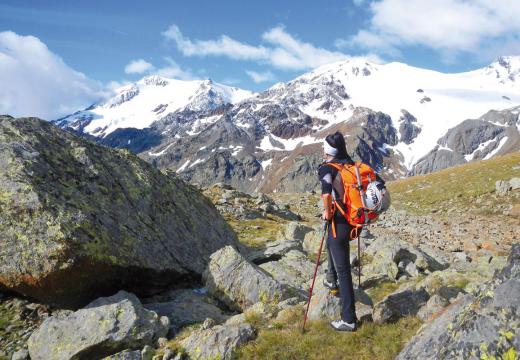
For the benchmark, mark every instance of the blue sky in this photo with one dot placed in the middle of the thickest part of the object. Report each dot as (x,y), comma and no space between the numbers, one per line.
(249,44)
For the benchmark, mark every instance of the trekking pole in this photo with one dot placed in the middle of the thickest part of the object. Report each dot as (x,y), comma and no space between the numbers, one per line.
(325,223)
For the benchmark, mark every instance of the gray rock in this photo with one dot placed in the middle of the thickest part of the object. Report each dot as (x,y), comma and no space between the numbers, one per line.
(147,353)
(294,231)
(399,304)
(218,342)
(273,250)
(125,355)
(104,327)
(293,269)
(22,354)
(187,307)
(476,327)
(326,306)
(169,354)
(514,183)
(434,305)
(386,252)
(502,187)
(94,219)
(311,240)
(240,284)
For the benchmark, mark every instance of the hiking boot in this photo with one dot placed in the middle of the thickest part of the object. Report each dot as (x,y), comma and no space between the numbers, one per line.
(331,285)
(340,325)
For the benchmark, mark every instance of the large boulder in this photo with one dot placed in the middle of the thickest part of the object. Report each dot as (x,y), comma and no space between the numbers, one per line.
(485,326)
(218,342)
(79,220)
(104,327)
(240,284)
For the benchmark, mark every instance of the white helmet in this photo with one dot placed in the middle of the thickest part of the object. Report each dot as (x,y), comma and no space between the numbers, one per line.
(377,198)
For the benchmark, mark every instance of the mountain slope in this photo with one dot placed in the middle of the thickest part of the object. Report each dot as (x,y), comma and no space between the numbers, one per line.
(392,115)
(140,104)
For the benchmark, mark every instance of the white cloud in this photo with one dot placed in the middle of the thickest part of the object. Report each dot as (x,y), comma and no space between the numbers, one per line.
(448,26)
(36,82)
(261,77)
(174,70)
(282,50)
(223,46)
(358,2)
(138,67)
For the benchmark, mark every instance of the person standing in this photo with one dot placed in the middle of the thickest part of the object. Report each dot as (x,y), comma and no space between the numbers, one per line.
(338,273)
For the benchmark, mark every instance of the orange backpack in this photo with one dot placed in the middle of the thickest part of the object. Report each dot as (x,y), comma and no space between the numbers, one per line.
(355,180)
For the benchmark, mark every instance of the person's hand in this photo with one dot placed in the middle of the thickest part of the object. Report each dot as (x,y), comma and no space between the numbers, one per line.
(326,216)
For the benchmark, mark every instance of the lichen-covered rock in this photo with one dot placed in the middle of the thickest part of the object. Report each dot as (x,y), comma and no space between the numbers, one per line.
(324,305)
(218,342)
(104,327)
(435,304)
(187,307)
(294,231)
(273,250)
(240,284)
(399,304)
(481,327)
(79,220)
(293,269)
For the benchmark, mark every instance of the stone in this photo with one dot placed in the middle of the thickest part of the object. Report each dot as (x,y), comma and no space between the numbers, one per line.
(168,354)
(240,284)
(514,211)
(293,269)
(514,183)
(147,353)
(187,307)
(326,306)
(218,342)
(399,304)
(125,355)
(273,250)
(502,187)
(311,240)
(102,328)
(161,342)
(476,327)
(95,220)
(294,231)
(22,354)
(208,323)
(434,305)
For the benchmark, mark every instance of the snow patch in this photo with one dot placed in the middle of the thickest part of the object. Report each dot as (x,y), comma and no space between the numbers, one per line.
(497,149)
(266,163)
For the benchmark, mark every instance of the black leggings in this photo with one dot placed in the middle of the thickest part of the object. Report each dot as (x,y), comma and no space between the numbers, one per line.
(339,267)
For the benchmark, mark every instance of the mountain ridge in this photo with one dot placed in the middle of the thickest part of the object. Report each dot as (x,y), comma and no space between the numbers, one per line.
(243,140)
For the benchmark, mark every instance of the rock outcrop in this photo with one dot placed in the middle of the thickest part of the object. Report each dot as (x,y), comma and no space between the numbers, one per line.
(240,284)
(218,342)
(476,327)
(103,328)
(79,220)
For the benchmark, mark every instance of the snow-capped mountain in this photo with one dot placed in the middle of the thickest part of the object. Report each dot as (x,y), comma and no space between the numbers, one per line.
(393,115)
(140,104)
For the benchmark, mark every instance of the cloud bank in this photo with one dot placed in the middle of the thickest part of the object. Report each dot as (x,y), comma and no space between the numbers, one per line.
(281,50)
(482,27)
(36,82)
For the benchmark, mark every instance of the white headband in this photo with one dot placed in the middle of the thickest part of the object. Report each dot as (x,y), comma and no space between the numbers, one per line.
(329,150)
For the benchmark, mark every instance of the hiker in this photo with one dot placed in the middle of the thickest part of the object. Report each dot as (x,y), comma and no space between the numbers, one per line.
(338,251)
